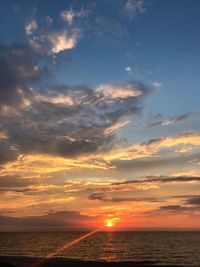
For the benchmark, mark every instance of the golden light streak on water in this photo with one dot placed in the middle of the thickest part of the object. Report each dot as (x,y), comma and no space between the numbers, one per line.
(64,247)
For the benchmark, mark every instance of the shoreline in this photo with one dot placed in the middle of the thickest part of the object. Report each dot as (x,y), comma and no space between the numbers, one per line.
(26,261)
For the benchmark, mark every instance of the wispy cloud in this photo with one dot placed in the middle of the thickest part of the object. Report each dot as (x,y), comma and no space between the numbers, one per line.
(155,145)
(110,130)
(171,120)
(162,179)
(129,70)
(143,183)
(153,148)
(70,14)
(31,27)
(55,42)
(104,198)
(132,7)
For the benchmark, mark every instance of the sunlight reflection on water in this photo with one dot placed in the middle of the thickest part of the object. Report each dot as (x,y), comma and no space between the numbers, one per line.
(162,247)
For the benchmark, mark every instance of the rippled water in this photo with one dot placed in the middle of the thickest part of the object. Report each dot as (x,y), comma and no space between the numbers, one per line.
(160,247)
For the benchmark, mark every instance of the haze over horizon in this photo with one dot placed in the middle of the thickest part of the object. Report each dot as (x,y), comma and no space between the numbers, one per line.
(99,115)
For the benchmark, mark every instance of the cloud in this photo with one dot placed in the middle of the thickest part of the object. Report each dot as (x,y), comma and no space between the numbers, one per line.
(152,150)
(62,120)
(62,41)
(14,182)
(157,85)
(129,69)
(171,121)
(41,165)
(80,113)
(167,142)
(194,201)
(143,183)
(162,180)
(48,20)
(144,164)
(118,92)
(132,7)
(115,127)
(174,208)
(8,152)
(52,221)
(50,40)
(104,198)
(68,15)
(31,27)
(191,206)
(156,145)
(55,42)
(19,70)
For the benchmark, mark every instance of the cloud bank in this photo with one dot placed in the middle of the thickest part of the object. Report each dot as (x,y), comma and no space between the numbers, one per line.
(56,119)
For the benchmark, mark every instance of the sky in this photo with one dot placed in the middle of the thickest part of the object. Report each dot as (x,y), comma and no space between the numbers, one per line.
(99,115)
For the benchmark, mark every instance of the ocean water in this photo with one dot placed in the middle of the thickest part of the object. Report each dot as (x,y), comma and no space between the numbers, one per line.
(157,247)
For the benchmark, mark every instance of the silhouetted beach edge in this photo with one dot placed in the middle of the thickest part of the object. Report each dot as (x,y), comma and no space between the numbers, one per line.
(25,261)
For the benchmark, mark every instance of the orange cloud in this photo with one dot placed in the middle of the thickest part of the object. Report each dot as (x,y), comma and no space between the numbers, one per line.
(118,92)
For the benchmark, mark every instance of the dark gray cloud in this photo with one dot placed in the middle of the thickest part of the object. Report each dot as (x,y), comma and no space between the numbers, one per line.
(104,198)
(195,201)
(162,179)
(7,151)
(40,186)
(171,120)
(19,69)
(67,130)
(129,185)
(52,221)
(14,182)
(190,205)
(57,119)
(169,210)
(173,208)
(154,162)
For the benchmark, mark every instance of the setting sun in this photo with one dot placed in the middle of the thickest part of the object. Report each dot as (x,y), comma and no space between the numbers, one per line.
(109,224)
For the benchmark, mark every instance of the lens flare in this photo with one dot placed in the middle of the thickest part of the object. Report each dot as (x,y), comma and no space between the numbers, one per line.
(64,247)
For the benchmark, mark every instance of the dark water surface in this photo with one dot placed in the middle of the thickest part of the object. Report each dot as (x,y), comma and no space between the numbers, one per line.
(159,247)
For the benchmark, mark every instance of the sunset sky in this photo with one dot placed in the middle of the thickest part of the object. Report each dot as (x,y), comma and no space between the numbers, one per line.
(99,114)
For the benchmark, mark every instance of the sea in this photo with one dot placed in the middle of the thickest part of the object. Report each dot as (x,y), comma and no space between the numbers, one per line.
(167,248)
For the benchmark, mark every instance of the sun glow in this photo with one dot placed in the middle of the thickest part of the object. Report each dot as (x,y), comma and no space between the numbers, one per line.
(109,223)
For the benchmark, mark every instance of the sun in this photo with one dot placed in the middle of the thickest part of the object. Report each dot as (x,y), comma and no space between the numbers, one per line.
(109,224)
(111,221)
